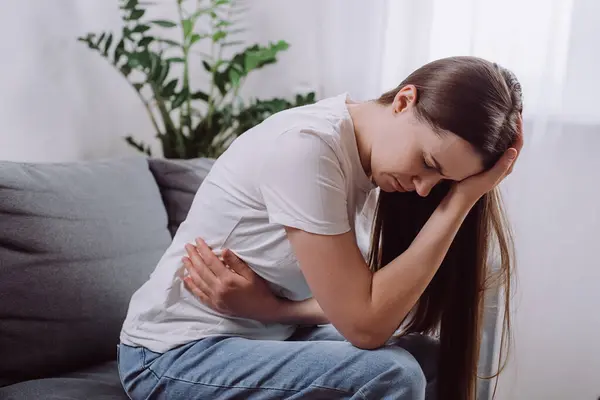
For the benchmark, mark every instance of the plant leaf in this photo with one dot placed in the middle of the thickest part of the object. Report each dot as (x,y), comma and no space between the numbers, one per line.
(220,80)
(139,145)
(206,66)
(232,43)
(145,41)
(130,5)
(234,77)
(179,99)
(100,39)
(125,70)
(136,14)
(251,61)
(280,45)
(141,29)
(169,42)
(195,37)
(138,59)
(188,27)
(155,67)
(133,62)
(199,95)
(219,35)
(175,60)
(107,44)
(164,23)
(119,51)
(169,89)
(222,24)
(165,68)
(138,86)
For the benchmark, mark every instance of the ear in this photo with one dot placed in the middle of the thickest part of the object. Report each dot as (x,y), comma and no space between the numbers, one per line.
(405,98)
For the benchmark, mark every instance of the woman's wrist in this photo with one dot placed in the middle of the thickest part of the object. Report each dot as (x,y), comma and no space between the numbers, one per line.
(459,200)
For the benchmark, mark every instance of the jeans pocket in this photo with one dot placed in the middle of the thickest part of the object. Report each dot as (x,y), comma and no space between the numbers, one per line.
(148,357)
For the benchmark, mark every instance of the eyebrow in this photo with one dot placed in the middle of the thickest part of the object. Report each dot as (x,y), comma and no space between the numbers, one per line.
(438,166)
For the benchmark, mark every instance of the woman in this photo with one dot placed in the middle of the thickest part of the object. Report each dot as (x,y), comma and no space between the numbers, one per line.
(288,198)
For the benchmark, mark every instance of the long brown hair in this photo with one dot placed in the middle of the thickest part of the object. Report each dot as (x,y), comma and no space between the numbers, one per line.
(480,102)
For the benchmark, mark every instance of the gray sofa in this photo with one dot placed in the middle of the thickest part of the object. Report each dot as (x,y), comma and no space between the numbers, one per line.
(76,240)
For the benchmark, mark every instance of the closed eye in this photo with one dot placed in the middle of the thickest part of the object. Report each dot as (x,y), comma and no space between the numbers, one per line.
(438,168)
(427,165)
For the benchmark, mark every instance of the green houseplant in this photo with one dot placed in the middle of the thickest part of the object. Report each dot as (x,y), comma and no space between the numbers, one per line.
(154,56)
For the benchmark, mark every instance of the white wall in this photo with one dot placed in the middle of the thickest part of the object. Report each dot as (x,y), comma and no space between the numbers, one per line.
(60,101)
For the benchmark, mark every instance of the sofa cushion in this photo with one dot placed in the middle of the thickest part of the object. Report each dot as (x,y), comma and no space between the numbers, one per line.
(179,181)
(97,383)
(76,240)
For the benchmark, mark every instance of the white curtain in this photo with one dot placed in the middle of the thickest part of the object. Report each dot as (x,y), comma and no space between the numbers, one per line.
(553,197)
(529,37)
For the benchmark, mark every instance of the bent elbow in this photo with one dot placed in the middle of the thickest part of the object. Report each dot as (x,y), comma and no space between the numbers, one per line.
(367,338)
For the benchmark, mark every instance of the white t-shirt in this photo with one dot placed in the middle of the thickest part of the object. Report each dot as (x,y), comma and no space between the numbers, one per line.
(299,168)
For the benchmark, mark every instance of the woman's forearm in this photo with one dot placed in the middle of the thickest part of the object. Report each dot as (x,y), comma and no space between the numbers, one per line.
(307,312)
(397,287)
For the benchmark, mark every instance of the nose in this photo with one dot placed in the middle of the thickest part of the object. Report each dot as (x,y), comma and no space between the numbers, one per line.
(423,185)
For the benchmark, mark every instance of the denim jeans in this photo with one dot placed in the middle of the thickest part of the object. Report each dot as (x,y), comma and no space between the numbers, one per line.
(315,363)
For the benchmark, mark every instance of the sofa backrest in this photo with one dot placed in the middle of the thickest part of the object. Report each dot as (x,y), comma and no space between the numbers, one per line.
(76,240)
(179,181)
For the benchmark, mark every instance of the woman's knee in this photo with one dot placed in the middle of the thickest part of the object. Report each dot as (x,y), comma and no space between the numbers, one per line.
(398,365)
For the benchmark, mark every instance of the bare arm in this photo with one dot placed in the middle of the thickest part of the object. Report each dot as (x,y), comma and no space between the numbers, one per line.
(365,307)
(307,312)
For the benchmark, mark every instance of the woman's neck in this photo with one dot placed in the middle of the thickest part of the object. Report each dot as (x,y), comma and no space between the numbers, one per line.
(364,117)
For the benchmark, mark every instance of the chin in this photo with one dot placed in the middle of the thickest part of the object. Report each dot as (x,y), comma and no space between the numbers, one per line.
(383,184)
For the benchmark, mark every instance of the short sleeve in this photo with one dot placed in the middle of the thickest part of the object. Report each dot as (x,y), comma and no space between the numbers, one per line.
(303,185)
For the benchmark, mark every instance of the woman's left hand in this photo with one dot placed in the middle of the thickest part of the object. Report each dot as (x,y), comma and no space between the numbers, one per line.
(476,186)
(229,287)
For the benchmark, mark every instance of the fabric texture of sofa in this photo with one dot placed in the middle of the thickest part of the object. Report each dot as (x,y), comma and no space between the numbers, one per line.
(76,240)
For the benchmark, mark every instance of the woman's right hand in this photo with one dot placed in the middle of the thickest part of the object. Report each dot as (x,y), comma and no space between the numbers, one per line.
(229,286)
(474,187)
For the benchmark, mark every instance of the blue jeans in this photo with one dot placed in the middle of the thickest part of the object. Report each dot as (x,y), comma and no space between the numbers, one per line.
(315,363)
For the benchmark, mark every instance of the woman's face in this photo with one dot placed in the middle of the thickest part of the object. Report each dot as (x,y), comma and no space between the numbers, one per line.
(408,155)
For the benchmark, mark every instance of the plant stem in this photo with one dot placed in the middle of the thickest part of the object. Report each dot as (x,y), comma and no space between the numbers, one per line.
(212,86)
(235,93)
(186,74)
(211,105)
